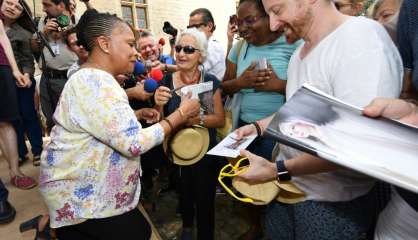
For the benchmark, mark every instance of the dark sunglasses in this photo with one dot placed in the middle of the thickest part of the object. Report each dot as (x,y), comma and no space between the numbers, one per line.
(338,5)
(186,49)
(197,25)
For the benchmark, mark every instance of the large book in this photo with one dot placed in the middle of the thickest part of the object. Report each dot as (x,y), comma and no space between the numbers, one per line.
(319,124)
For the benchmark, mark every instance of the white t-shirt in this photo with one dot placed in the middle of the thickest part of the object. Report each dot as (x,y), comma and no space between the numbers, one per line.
(397,221)
(356,63)
(215,61)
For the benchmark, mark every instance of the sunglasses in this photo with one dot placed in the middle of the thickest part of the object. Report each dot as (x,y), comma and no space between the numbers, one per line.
(186,49)
(339,5)
(230,170)
(197,25)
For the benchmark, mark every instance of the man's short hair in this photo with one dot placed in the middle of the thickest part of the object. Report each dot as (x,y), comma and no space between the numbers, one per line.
(66,3)
(206,16)
(145,34)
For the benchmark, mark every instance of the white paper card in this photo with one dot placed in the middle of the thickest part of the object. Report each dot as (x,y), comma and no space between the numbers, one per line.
(197,89)
(230,147)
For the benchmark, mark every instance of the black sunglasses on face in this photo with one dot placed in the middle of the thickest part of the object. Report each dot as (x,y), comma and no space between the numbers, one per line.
(197,25)
(186,49)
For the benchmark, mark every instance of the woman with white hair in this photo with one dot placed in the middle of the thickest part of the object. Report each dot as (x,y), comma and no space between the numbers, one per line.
(197,180)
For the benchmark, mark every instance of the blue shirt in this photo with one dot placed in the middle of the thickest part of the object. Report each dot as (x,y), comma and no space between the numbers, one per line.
(258,105)
(408,37)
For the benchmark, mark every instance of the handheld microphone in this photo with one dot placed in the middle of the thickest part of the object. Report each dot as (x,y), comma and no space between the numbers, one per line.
(139,68)
(150,85)
(161,41)
(157,74)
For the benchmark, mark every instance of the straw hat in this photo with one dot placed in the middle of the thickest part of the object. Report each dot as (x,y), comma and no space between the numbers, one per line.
(188,145)
(262,193)
(289,193)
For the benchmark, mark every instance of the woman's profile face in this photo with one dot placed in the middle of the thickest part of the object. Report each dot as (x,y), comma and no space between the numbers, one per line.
(11,9)
(298,129)
(122,50)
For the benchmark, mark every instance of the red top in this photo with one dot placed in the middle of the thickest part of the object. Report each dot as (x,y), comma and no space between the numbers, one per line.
(3,58)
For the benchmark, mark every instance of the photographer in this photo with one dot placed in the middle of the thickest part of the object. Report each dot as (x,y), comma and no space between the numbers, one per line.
(202,19)
(54,75)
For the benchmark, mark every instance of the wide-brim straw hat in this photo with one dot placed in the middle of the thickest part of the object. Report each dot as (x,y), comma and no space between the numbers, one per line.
(262,193)
(188,145)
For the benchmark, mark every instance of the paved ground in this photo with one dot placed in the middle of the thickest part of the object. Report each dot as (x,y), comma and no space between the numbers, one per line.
(229,217)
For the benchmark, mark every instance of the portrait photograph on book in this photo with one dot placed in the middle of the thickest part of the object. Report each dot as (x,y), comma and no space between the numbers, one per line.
(316,123)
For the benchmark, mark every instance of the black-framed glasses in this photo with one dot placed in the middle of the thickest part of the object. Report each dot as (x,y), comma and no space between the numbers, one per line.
(198,25)
(339,5)
(248,21)
(186,49)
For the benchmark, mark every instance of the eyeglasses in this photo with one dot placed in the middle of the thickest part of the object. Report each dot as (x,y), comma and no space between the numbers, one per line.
(186,49)
(248,21)
(230,170)
(339,5)
(198,25)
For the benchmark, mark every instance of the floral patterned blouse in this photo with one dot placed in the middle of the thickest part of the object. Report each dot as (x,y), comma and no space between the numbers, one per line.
(91,167)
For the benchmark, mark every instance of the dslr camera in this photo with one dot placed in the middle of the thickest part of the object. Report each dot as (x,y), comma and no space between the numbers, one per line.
(170,30)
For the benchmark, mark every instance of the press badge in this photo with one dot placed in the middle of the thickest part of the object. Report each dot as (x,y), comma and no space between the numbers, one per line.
(55,48)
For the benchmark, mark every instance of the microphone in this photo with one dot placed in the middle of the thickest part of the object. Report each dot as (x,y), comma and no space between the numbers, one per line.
(157,74)
(150,85)
(161,41)
(139,68)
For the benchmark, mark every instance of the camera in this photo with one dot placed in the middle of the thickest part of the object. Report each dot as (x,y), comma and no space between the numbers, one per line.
(170,30)
(63,21)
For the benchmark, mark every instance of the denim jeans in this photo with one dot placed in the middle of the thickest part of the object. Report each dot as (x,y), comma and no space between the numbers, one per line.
(3,192)
(29,122)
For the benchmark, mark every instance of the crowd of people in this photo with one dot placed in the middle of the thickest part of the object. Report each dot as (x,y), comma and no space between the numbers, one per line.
(112,137)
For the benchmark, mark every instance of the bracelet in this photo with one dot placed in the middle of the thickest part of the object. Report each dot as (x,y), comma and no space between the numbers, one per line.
(183,116)
(202,120)
(257,127)
(169,124)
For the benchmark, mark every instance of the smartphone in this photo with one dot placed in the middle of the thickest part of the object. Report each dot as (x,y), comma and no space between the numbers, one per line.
(233,19)
(261,64)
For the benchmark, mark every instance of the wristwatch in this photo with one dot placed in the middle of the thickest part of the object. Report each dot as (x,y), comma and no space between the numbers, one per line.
(282,172)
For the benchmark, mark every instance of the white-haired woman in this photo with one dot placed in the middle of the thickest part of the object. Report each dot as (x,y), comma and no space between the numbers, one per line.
(197,181)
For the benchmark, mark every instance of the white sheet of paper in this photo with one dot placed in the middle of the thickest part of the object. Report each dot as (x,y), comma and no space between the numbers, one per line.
(196,89)
(229,147)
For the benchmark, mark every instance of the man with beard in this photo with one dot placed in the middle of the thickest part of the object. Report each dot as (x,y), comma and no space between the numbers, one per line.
(352,59)
(54,69)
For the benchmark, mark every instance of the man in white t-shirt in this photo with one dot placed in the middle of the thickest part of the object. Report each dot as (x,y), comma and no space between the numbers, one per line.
(214,64)
(352,59)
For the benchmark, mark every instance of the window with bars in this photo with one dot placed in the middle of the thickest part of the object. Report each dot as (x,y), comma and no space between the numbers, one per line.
(135,12)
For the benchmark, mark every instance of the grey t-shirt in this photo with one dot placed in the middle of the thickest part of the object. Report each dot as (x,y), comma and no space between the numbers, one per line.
(64,56)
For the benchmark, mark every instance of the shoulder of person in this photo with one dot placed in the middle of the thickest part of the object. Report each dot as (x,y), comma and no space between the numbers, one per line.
(211,78)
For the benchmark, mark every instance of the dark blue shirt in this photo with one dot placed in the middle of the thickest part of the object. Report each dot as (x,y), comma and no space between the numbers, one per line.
(408,37)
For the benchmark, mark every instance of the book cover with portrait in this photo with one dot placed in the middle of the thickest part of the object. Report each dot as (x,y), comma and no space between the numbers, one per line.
(316,123)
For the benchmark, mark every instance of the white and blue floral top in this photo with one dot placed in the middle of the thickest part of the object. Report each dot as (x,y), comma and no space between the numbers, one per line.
(91,167)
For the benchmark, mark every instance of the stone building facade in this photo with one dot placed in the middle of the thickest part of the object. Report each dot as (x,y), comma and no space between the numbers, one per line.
(151,14)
